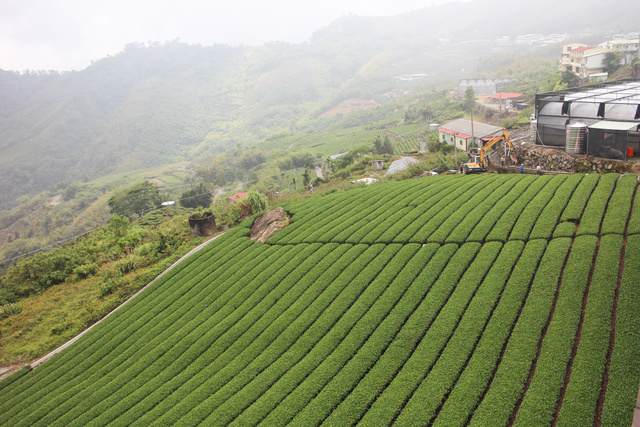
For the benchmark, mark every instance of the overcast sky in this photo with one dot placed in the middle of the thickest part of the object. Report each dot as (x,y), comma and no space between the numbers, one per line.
(69,34)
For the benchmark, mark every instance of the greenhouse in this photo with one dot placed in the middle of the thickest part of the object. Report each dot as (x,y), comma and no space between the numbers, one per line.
(599,120)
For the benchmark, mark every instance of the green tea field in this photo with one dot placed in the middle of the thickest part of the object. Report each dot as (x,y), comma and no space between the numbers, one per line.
(481,300)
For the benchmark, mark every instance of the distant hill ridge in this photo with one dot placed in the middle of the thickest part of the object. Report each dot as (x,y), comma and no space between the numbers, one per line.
(150,105)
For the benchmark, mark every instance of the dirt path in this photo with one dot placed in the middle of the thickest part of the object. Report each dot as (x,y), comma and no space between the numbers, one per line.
(68,343)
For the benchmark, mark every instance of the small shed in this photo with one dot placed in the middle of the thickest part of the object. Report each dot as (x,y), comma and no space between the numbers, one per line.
(377,164)
(613,140)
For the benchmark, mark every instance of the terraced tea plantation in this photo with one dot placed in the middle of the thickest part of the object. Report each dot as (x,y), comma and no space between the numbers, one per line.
(451,300)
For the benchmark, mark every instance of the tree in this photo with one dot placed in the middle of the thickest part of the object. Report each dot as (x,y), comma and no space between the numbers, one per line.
(635,66)
(305,177)
(136,199)
(469,99)
(197,196)
(377,143)
(119,224)
(611,62)
(569,78)
(387,148)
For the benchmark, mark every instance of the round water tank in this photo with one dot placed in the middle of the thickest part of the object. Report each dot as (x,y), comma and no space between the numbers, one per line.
(576,138)
(533,128)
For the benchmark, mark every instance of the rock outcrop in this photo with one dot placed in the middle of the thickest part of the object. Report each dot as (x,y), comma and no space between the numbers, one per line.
(269,224)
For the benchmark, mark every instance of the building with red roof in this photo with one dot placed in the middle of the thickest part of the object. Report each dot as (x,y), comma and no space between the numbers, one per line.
(463,134)
(505,95)
(238,196)
(565,57)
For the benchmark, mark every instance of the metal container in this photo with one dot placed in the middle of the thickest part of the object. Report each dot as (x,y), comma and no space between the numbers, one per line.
(202,224)
(533,128)
(576,138)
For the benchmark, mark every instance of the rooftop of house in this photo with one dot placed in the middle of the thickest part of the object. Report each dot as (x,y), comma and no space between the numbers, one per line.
(238,196)
(462,127)
(582,49)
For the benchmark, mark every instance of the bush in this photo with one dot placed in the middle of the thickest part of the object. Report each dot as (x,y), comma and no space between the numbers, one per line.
(124,265)
(258,202)
(199,196)
(226,212)
(84,271)
(110,286)
(9,309)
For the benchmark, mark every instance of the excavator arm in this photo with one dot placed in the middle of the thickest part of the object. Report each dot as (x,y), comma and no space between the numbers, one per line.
(493,141)
(480,163)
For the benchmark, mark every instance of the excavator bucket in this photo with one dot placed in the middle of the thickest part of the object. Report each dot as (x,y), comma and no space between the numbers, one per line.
(514,158)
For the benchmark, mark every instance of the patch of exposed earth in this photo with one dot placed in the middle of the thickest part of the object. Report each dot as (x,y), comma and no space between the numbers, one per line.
(349,105)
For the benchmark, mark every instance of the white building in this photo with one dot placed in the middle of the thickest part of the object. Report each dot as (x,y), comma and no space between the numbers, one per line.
(463,134)
(627,48)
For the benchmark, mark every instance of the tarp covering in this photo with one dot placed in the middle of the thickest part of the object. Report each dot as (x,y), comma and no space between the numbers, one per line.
(401,164)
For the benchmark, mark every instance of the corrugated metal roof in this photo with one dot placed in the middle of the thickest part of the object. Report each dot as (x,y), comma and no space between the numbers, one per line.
(480,130)
(454,133)
(610,125)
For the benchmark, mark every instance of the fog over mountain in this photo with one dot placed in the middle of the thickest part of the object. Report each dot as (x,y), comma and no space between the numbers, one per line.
(153,102)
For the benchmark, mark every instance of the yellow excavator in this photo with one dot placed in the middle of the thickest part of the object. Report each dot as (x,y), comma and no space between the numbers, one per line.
(478,156)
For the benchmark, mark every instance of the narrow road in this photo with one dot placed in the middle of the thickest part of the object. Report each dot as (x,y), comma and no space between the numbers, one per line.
(68,343)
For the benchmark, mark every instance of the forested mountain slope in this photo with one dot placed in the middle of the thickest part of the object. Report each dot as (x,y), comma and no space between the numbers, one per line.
(156,103)
(451,300)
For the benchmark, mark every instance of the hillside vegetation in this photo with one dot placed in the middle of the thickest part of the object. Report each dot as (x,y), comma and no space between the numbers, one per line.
(449,300)
(158,103)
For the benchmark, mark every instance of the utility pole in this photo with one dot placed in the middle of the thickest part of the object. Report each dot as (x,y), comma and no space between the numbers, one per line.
(455,149)
(473,136)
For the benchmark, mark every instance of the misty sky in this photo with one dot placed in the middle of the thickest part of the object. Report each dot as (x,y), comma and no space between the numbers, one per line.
(69,34)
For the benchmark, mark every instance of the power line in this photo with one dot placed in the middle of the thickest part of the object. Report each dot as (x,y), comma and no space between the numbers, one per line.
(60,242)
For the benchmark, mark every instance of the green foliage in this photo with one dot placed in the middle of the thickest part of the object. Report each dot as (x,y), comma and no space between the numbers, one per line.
(568,79)
(226,212)
(588,367)
(119,241)
(119,224)
(199,196)
(624,374)
(539,404)
(7,310)
(81,272)
(497,405)
(426,300)
(135,200)
(469,99)
(611,62)
(382,146)
(257,201)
